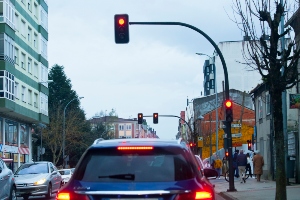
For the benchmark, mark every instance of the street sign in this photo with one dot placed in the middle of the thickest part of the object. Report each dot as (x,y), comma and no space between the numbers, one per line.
(200,138)
(236,125)
(237,135)
(200,141)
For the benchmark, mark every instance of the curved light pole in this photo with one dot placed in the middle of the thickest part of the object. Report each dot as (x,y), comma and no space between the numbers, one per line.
(64,131)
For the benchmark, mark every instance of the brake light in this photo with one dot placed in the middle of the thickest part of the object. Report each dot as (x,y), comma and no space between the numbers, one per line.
(70,196)
(135,148)
(202,195)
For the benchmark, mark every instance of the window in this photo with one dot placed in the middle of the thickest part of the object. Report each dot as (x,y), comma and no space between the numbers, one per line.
(268,106)
(17,26)
(44,47)
(35,11)
(23,25)
(35,69)
(29,5)
(44,104)
(23,60)
(35,100)
(121,127)
(259,108)
(44,19)
(23,93)
(29,97)
(35,39)
(16,56)
(128,127)
(29,34)
(17,90)
(7,85)
(24,136)
(29,65)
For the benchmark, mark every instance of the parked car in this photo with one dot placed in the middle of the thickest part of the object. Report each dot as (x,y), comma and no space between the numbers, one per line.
(65,174)
(37,178)
(138,169)
(7,181)
(199,160)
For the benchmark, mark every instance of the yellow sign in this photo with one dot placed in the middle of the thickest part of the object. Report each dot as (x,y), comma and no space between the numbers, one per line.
(200,143)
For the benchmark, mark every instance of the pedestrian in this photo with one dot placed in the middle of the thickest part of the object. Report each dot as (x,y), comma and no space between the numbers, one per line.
(206,164)
(258,163)
(248,166)
(218,166)
(234,163)
(242,163)
(224,165)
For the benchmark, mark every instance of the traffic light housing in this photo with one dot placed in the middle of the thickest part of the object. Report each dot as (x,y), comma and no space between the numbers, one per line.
(228,111)
(192,144)
(140,118)
(249,144)
(121,28)
(155,118)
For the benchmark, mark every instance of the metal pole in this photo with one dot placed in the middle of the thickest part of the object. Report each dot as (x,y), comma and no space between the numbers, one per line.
(210,149)
(41,151)
(217,118)
(64,130)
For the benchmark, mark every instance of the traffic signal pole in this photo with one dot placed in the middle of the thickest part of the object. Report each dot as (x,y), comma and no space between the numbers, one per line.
(228,134)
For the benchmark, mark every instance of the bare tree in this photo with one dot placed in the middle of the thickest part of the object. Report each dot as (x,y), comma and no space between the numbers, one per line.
(260,21)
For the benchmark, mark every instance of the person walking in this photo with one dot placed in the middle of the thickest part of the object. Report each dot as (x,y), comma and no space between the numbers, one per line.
(248,166)
(242,163)
(224,165)
(258,163)
(234,163)
(218,166)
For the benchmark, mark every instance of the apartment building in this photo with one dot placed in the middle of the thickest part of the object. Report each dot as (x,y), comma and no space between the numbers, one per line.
(23,75)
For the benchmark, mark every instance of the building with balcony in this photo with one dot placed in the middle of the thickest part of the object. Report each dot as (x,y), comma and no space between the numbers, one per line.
(23,75)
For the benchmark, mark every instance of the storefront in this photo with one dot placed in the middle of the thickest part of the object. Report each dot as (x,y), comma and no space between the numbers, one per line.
(14,142)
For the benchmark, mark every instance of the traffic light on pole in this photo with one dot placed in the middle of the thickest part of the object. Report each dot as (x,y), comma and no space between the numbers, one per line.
(227,154)
(121,28)
(249,144)
(155,118)
(228,111)
(140,118)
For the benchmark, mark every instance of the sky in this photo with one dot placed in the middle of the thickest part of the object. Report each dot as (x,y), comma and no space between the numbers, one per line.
(155,72)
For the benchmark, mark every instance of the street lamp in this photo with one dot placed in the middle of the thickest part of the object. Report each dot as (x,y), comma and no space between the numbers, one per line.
(216,92)
(64,131)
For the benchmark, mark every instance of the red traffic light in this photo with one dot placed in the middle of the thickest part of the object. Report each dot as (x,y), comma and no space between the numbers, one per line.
(155,118)
(226,154)
(192,144)
(121,21)
(228,104)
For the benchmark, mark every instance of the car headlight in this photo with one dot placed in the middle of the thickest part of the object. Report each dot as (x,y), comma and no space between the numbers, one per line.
(39,182)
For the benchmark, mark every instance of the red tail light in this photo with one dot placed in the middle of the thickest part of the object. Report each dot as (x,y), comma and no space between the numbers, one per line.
(70,196)
(201,195)
(135,148)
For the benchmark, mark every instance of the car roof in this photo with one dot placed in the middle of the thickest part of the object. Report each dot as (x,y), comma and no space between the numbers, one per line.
(138,142)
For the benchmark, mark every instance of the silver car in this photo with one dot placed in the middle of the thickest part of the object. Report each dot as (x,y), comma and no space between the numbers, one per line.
(7,182)
(37,178)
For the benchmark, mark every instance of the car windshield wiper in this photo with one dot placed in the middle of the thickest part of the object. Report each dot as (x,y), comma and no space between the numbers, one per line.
(120,176)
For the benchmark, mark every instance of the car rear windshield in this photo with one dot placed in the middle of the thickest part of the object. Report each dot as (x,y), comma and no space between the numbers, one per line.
(32,168)
(158,164)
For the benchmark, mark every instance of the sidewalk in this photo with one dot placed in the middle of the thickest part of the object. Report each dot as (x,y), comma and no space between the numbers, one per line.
(264,190)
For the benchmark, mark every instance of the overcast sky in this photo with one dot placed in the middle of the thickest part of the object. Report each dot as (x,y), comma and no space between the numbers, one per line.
(155,71)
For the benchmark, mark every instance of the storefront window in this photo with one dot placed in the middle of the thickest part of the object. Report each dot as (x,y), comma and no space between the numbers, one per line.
(11,133)
(24,136)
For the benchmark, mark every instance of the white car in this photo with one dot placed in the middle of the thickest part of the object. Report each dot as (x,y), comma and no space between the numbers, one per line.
(37,178)
(7,181)
(65,174)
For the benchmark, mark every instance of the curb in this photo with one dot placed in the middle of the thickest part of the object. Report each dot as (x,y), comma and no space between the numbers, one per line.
(227,196)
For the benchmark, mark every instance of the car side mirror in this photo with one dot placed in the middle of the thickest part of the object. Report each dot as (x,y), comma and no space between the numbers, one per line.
(210,173)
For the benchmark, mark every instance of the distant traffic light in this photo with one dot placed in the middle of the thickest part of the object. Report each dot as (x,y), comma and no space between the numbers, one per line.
(228,111)
(121,28)
(140,118)
(226,154)
(155,118)
(192,144)
(249,144)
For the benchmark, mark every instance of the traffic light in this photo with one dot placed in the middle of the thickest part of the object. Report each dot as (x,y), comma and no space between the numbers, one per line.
(140,118)
(228,111)
(249,144)
(121,28)
(226,154)
(155,118)
(192,144)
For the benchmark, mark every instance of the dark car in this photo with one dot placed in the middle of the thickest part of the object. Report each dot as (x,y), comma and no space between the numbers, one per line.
(37,178)
(152,169)
(7,181)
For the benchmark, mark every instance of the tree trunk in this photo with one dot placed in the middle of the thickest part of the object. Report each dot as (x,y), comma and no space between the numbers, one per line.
(279,146)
